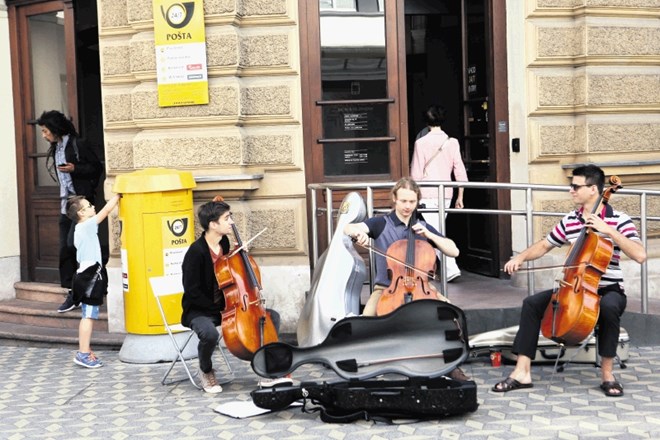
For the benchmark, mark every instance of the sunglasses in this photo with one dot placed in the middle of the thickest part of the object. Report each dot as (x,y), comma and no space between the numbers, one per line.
(575,186)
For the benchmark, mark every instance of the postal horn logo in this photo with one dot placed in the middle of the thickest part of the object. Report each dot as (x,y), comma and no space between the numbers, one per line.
(178,227)
(178,15)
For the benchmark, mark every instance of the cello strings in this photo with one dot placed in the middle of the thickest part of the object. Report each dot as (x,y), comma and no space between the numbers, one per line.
(245,244)
(406,265)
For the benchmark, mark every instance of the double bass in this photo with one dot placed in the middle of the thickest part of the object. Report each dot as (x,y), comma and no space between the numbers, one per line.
(246,325)
(408,282)
(574,307)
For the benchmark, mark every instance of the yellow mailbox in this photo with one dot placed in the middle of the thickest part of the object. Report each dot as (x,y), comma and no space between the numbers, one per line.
(157,227)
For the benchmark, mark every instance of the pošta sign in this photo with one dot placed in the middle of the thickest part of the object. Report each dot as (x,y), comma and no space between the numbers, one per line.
(180,53)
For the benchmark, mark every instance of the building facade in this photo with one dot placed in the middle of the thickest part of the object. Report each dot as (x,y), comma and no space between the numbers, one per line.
(332,91)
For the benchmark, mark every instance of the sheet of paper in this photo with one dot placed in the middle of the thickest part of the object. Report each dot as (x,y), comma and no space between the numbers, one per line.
(243,409)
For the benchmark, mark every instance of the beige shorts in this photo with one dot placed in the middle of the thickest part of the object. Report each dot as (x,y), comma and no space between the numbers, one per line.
(372,303)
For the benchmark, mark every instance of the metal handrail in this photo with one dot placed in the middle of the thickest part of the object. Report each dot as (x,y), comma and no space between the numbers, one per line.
(528,214)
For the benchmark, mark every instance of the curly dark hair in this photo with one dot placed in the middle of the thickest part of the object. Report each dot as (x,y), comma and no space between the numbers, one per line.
(60,126)
(57,123)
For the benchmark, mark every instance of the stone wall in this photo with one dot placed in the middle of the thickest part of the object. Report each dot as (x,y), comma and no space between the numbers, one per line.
(245,145)
(10,248)
(593,81)
(593,89)
(591,95)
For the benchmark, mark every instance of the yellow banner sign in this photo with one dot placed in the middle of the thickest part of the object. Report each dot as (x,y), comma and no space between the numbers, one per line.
(180,53)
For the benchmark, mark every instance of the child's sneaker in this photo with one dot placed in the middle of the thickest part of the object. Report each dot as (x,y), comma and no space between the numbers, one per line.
(87,360)
(68,304)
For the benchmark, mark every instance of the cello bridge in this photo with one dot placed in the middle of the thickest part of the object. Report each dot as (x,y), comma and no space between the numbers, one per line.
(564,283)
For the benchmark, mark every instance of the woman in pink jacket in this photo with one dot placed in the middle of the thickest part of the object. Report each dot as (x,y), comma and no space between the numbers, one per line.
(435,157)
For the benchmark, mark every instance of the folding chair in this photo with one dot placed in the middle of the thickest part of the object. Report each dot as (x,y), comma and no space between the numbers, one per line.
(171,285)
(583,346)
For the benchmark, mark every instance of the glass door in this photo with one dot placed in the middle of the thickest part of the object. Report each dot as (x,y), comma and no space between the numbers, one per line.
(353,97)
(44,79)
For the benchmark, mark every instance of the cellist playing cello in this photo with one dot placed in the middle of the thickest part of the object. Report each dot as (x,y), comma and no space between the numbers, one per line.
(386,230)
(203,301)
(586,188)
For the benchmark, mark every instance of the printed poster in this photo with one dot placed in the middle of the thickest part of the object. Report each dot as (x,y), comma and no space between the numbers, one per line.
(180,41)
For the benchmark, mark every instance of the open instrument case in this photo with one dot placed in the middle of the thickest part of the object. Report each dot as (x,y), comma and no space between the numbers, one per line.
(502,340)
(422,341)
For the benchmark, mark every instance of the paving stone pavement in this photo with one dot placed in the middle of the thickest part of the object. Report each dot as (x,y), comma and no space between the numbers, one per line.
(44,395)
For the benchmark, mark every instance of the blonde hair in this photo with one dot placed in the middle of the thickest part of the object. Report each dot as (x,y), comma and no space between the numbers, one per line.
(407,183)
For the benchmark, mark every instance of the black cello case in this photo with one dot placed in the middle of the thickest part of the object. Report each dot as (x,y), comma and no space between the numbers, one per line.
(422,341)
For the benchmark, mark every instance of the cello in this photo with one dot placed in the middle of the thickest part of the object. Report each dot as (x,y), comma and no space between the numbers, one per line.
(246,325)
(574,307)
(407,284)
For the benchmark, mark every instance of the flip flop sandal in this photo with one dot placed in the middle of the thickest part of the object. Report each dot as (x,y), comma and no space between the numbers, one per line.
(612,388)
(510,384)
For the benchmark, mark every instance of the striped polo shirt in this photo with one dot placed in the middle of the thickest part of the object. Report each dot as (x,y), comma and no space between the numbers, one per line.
(568,231)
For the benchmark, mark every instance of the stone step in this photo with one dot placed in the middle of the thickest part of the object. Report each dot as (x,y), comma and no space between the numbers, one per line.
(35,336)
(43,292)
(32,319)
(44,314)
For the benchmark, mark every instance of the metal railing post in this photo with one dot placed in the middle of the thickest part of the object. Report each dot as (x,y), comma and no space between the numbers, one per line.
(315,228)
(372,261)
(443,231)
(529,231)
(328,206)
(644,284)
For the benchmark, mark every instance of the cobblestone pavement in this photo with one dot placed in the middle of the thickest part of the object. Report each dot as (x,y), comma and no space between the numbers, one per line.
(43,395)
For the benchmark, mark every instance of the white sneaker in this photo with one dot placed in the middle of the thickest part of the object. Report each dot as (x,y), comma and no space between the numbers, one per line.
(209,382)
(269,383)
(453,276)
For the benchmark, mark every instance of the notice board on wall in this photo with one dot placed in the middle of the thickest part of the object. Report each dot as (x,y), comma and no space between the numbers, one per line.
(180,42)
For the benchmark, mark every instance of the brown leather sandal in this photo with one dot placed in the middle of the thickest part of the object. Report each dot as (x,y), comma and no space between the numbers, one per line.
(612,388)
(510,384)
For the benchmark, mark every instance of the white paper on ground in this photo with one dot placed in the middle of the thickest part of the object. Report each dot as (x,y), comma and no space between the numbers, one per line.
(243,409)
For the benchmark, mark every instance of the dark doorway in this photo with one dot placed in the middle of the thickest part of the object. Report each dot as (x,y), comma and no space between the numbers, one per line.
(433,64)
(450,56)
(90,104)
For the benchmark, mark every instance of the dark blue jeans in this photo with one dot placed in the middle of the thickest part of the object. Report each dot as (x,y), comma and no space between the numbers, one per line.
(207,332)
(206,329)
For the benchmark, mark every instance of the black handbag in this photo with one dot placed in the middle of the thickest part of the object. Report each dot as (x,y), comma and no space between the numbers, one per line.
(90,284)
